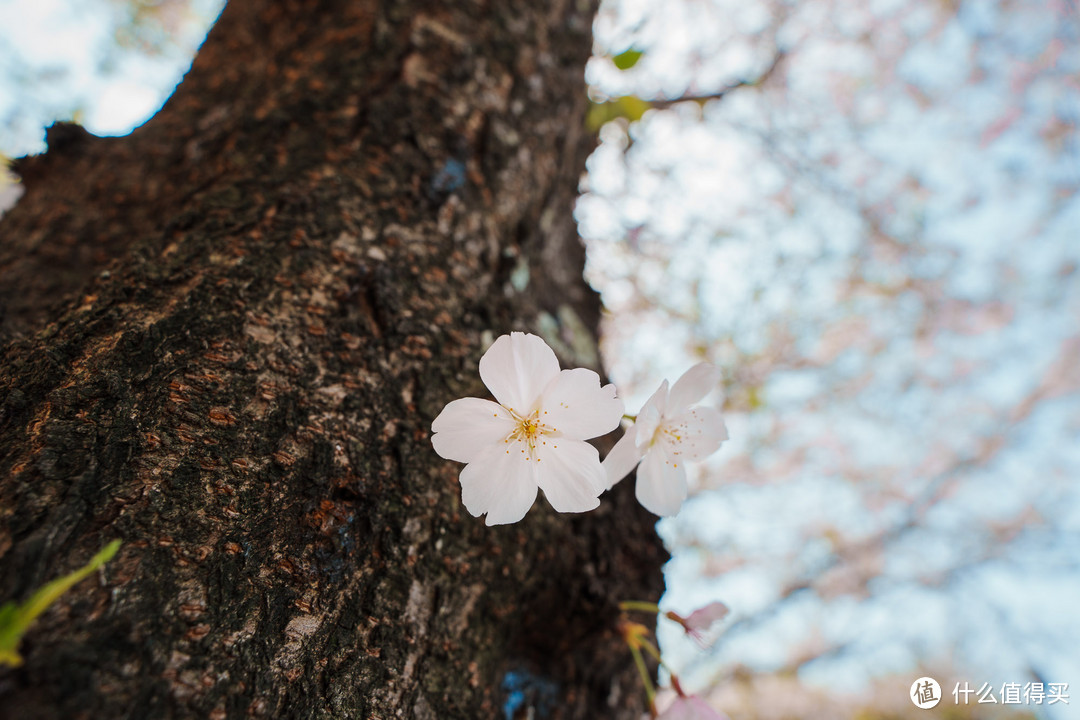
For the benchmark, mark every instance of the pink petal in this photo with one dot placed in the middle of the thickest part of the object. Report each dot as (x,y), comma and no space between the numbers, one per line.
(695,434)
(466,427)
(652,412)
(691,708)
(661,483)
(516,369)
(570,475)
(623,458)
(575,405)
(695,383)
(705,617)
(500,482)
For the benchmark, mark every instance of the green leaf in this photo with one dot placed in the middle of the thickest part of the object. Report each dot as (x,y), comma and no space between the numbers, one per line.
(630,107)
(628,59)
(16,619)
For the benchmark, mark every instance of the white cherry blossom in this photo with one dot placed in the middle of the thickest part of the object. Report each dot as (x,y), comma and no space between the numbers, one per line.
(669,433)
(532,437)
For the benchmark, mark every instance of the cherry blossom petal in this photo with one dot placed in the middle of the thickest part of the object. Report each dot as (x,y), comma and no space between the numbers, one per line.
(623,458)
(500,482)
(699,624)
(696,383)
(575,406)
(659,399)
(661,483)
(703,618)
(466,427)
(516,369)
(650,416)
(699,431)
(570,475)
(691,708)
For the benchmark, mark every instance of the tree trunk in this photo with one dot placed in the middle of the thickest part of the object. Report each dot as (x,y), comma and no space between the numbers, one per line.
(226,336)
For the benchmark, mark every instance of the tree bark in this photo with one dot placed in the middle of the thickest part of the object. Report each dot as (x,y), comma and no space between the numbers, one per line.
(226,336)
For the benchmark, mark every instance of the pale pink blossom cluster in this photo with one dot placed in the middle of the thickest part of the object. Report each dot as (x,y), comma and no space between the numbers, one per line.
(670,431)
(533,437)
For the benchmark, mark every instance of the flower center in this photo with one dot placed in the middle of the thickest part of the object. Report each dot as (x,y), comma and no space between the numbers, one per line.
(674,434)
(529,432)
(671,437)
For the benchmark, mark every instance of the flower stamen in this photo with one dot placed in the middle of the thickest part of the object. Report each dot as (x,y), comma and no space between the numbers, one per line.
(528,429)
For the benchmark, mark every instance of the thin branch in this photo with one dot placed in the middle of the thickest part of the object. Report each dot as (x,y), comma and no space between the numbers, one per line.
(663,104)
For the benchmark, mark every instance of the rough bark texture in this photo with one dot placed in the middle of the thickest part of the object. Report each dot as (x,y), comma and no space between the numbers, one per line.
(226,336)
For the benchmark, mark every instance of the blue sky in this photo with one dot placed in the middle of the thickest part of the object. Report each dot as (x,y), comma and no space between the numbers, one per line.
(59,58)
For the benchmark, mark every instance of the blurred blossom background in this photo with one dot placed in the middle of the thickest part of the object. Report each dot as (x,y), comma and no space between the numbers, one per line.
(866,213)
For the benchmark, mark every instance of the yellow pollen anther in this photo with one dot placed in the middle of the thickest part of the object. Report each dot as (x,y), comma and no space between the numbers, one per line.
(527,431)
